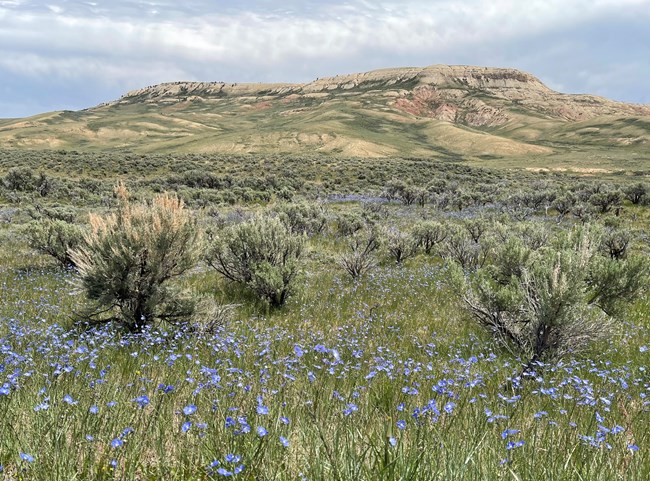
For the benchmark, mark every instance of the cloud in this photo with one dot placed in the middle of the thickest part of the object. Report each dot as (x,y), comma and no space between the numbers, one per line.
(135,43)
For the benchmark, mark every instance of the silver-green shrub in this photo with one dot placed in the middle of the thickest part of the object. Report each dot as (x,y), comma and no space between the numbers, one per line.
(360,256)
(55,238)
(129,257)
(262,254)
(546,303)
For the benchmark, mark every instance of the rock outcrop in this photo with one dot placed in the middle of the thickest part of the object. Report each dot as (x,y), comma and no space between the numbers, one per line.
(473,96)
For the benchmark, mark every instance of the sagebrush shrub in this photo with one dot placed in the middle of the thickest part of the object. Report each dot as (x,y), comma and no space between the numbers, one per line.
(549,302)
(56,238)
(129,257)
(360,256)
(261,253)
(428,234)
(461,248)
(400,245)
(302,217)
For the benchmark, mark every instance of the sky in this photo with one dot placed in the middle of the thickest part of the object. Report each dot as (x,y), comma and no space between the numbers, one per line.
(57,55)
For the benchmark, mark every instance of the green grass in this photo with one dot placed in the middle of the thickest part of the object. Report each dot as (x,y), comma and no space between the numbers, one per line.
(343,360)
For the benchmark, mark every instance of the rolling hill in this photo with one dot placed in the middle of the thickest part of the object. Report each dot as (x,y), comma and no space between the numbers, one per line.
(476,113)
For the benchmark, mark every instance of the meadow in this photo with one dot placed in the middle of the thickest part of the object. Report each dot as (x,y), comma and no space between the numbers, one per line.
(384,376)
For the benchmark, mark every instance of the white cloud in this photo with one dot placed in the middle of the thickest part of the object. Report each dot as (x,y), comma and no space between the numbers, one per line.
(140,42)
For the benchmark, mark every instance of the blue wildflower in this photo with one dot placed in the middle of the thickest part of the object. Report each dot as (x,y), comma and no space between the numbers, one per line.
(449,407)
(232,458)
(27,457)
(401,424)
(509,432)
(68,400)
(350,409)
(617,429)
(166,389)
(189,409)
(142,401)
(224,472)
(261,431)
(284,441)
(515,445)
(117,443)
(186,426)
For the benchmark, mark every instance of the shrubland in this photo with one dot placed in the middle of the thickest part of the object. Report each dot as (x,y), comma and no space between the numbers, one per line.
(269,317)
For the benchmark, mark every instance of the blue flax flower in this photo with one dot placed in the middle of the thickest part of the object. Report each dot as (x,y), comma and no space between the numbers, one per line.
(27,457)
(515,445)
(142,401)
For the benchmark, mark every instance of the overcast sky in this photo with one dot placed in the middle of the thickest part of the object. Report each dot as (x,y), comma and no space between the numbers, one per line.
(75,54)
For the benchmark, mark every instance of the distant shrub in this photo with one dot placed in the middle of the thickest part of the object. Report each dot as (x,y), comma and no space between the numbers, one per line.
(519,205)
(614,242)
(582,212)
(361,254)
(374,212)
(38,212)
(302,217)
(128,259)
(636,193)
(476,227)
(534,235)
(563,204)
(429,234)
(349,223)
(20,179)
(261,253)
(398,189)
(605,201)
(461,248)
(399,244)
(55,238)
